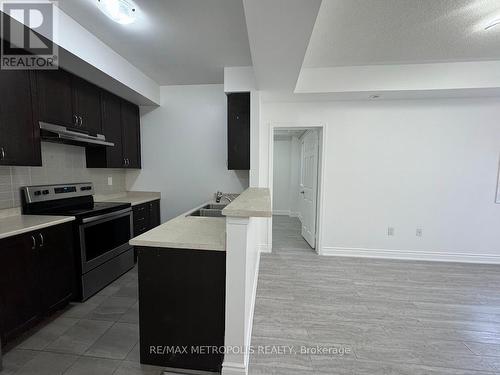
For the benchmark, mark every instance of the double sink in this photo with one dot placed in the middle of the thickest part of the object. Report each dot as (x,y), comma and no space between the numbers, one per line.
(210,210)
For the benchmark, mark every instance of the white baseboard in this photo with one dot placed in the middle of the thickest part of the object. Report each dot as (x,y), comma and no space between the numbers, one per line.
(281,212)
(229,368)
(264,248)
(411,255)
(286,213)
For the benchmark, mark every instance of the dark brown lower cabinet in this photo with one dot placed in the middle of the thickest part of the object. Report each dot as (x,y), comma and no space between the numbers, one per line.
(146,216)
(182,305)
(56,261)
(36,273)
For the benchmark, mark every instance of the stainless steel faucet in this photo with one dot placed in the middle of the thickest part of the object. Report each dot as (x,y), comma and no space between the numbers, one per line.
(219,195)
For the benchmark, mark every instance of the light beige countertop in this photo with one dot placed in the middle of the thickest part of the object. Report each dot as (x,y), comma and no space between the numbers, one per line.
(18,224)
(253,202)
(187,232)
(206,233)
(133,197)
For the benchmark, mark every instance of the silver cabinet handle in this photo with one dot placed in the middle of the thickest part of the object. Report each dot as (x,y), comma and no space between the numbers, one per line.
(42,240)
(33,243)
(75,120)
(2,153)
(81,120)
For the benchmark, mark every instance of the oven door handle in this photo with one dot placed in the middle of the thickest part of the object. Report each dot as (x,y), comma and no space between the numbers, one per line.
(105,216)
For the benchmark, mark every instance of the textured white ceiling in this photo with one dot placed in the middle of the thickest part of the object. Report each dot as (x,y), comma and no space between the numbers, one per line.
(367,32)
(173,41)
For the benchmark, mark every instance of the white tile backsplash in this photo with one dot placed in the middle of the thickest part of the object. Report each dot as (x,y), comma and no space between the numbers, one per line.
(61,164)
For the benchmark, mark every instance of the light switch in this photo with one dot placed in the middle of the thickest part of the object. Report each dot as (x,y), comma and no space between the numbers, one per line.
(110,181)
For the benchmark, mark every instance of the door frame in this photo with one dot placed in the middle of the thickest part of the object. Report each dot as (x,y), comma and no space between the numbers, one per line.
(320,214)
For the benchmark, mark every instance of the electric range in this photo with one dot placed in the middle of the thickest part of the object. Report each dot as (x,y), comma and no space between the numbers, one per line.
(102,231)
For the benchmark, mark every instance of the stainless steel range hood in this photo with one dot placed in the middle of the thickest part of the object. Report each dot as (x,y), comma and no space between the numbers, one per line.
(62,134)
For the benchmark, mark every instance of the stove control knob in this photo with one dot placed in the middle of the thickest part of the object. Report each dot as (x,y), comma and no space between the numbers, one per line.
(45,192)
(37,193)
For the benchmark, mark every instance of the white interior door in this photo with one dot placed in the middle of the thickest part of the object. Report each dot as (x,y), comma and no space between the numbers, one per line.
(309,185)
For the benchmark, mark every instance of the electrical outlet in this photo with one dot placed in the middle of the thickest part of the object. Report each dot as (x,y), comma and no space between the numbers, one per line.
(419,232)
(110,181)
(390,231)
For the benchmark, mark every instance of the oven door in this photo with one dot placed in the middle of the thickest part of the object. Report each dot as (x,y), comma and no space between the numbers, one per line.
(104,237)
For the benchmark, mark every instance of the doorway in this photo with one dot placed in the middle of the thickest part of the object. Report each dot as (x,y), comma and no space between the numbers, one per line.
(295,180)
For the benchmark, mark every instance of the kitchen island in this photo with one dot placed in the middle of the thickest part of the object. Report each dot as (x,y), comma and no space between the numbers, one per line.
(182,279)
(185,316)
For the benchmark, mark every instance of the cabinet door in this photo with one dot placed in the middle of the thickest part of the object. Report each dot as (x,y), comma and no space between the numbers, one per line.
(19,296)
(112,128)
(19,132)
(87,105)
(238,131)
(53,88)
(131,139)
(55,247)
(154,214)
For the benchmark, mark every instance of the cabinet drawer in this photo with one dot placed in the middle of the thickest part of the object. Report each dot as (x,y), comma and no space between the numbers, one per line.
(140,211)
(140,228)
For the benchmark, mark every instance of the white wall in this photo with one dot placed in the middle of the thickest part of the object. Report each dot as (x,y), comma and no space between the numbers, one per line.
(286,171)
(61,164)
(295,156)
(281,176)
(429,164)
(184,149)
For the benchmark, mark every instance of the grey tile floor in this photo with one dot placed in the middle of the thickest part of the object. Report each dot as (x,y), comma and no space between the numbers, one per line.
(372,316)
(97,337)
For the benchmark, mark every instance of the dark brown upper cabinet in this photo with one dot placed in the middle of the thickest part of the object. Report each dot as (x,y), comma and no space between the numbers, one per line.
(238,131)
(120,125)
(19,132)
(108,157)
(67,100)
(131,135)
(60,98)
(86,105)
(55,97)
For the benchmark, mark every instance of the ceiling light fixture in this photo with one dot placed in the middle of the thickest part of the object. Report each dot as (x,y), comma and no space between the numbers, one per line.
(374,96)
(121,11)
(492,24)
